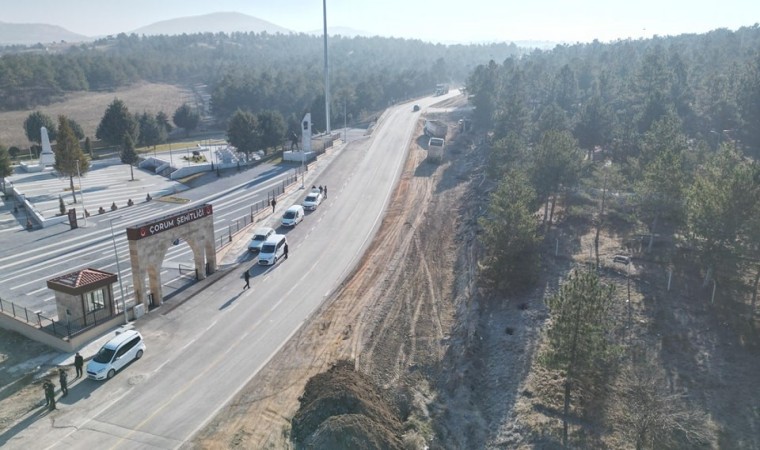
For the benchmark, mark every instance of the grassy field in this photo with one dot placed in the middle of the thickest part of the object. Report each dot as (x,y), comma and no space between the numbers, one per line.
(88,108)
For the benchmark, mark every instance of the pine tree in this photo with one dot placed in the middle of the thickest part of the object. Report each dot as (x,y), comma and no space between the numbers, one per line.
(6,167)
(187,118)
(579,333)
(69,159)
(116,122)
(129,155)
(243,132)
(510,236)
(34,122)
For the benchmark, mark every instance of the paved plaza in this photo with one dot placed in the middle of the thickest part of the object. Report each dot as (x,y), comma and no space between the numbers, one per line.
(107,182)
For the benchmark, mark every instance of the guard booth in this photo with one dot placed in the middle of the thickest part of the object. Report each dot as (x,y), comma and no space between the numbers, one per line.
(84,297)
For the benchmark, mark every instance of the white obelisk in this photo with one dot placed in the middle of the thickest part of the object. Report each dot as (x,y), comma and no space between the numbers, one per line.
(47,157)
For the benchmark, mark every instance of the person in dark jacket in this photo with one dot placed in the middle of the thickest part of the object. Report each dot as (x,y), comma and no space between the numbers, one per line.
(49,393)
(78,364)
(63,378)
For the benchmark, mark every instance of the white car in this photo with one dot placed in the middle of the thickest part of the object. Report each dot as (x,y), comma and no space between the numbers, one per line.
(259,237)
(312,200)
(292,216)
(115,354)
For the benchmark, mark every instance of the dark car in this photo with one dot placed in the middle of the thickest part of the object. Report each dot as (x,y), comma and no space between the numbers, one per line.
(416,108)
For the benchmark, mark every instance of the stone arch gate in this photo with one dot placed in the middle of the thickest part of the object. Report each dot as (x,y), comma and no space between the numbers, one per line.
(149,242)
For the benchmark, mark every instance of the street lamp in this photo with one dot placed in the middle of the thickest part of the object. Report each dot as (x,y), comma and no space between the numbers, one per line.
(303,173)
(26,214)
(81,194)
(118,270)
(327,70)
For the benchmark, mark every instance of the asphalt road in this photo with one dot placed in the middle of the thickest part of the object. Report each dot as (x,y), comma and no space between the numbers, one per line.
(202,352)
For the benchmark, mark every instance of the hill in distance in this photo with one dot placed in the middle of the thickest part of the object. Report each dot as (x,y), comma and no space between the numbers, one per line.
(225,22)
(36,33)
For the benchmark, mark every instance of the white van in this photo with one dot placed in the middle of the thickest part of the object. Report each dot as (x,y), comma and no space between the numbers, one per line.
(126,347)
(273,250)
(292,216)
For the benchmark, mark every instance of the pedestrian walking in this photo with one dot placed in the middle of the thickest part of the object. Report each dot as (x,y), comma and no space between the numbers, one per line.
(78,364)
(63,378)
(325,191)
(320,189)
(247,278)
(274,203)
(286,250)
(46,391)
(50,394)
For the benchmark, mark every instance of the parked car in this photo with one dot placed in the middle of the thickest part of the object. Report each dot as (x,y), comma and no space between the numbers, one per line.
(312,200)
(259,237)
(124,348)
(273,250)
(416,108)
(293,216)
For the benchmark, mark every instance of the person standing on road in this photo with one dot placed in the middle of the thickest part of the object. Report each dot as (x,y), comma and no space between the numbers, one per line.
(46,390)
(286,251)
(50,393)
(247,278)
(63,377)
(78,364)
(325,191)
(320,189)
(274,203)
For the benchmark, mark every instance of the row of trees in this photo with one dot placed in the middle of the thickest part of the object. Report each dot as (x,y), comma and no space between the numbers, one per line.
(118,127)
(146,130)
(256,72)
(658,150)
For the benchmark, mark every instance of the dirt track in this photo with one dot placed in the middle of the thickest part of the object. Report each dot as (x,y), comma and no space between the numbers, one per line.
(392,316)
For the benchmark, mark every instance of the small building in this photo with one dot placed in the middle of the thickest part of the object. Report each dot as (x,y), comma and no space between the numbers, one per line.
(84,297)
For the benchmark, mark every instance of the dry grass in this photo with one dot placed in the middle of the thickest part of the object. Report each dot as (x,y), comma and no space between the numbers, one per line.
(88,108)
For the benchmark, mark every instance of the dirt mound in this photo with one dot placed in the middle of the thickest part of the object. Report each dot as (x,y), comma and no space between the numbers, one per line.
(342,408)
(351,431)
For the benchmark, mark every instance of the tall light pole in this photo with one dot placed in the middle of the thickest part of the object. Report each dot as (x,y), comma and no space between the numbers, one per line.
(303,172)
(327,70)
(118,270)
(81,194)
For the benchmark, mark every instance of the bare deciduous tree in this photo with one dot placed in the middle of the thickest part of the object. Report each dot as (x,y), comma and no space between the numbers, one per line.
(653,415)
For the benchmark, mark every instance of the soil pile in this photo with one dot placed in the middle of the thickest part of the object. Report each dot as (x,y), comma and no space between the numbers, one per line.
(344,409)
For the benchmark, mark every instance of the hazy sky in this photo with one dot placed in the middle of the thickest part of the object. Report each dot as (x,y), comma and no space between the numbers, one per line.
(431,20)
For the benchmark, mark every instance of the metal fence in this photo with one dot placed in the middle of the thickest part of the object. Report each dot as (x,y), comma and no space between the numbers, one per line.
(258,208)
(57,328)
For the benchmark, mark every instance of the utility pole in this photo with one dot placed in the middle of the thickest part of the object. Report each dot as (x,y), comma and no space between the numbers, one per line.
(327,70)
(118,270)
(81,194)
